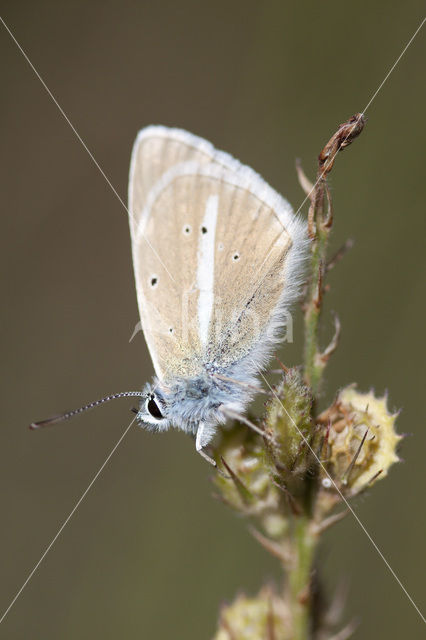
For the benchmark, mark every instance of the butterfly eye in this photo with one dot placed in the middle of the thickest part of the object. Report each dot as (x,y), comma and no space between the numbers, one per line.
(153,409)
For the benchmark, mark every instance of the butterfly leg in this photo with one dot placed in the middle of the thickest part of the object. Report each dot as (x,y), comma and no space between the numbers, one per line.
(204,455)
(200,440)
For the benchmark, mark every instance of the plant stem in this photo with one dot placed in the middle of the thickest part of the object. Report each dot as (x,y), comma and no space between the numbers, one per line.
(319,226)
(314,366)
(299,578)
(286,461)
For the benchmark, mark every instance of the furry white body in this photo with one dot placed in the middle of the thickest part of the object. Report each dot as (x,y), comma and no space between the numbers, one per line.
(218,260)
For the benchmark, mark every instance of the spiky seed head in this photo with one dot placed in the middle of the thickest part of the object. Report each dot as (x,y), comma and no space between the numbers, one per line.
(361,442)
(265,616)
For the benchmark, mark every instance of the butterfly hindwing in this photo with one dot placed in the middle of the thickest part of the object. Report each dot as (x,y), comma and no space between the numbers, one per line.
(215,250)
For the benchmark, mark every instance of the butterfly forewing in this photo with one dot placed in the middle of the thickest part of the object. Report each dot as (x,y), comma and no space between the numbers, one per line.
(154,152)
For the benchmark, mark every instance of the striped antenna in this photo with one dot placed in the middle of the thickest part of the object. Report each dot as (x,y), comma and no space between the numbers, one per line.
(91,405)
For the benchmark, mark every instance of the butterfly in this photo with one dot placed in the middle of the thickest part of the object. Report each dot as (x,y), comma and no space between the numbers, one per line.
(218,261)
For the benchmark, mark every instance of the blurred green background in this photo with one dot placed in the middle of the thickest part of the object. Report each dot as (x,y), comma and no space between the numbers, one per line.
(149,553)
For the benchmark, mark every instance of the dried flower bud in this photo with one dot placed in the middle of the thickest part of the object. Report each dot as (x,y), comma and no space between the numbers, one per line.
(265,616)
(361,441)
(289,424)
(248,487)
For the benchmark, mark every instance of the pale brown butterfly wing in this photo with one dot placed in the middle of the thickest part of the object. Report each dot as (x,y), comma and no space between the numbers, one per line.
(215,253)
(156,150)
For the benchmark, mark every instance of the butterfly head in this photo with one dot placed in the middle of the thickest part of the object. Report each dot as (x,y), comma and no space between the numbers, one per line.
(153,409)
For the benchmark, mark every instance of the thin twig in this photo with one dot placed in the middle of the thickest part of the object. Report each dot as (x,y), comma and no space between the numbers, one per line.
(347,246)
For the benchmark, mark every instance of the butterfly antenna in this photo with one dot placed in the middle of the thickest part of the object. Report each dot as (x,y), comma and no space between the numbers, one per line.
(91,405)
